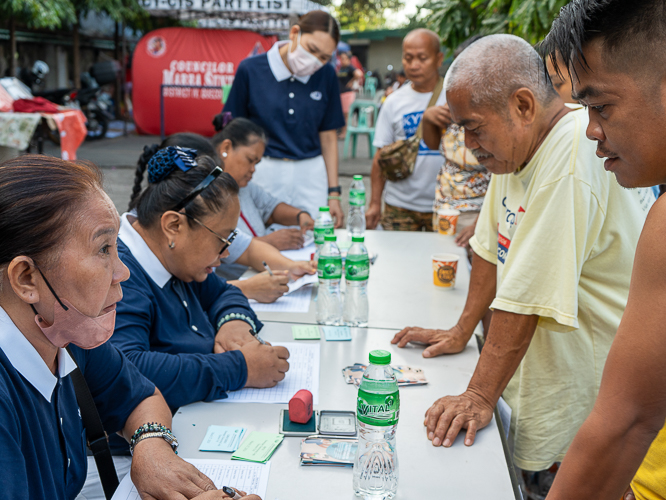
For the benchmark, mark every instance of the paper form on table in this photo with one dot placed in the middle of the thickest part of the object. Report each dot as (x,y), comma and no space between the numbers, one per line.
(297,302)
(304,362)
(245,476)
(305,280)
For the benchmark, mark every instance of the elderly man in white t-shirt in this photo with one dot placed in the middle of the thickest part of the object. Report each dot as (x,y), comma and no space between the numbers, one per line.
(408,203)
(553,252)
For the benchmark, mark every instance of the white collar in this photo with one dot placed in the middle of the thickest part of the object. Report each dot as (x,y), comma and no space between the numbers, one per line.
(27,361)
(142,252)
(277,65)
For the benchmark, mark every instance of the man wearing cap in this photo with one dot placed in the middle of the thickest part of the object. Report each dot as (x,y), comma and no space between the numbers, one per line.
(553,251)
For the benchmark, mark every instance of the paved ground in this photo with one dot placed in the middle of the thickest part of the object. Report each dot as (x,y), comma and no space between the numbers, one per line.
(118,159)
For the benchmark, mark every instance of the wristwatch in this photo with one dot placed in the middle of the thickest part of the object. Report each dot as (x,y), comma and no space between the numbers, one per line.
(335,189)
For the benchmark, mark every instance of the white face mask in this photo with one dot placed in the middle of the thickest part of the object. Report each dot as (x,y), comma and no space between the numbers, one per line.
(301,62)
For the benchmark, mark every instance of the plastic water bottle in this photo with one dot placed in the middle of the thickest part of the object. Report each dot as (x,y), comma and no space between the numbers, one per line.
(323,226)
(357,271)
(329,271)
(356,216)
(377,412)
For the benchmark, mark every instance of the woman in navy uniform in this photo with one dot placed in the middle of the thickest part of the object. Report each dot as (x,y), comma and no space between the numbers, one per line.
(60,281)
(292,93)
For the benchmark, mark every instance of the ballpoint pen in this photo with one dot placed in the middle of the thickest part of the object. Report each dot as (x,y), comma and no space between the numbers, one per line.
(233,494)
(261,341)
(267,268)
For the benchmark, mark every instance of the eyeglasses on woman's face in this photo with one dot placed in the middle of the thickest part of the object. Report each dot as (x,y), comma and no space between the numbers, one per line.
(226,242)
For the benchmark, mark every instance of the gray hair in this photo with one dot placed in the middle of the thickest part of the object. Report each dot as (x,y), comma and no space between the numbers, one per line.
(494,67)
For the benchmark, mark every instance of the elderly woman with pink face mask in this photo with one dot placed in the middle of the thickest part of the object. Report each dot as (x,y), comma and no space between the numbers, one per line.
(60,281)
(292,93)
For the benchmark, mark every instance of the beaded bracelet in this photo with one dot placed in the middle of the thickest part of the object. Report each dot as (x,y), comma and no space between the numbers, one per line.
(153,429)
(339,198)
(237,316)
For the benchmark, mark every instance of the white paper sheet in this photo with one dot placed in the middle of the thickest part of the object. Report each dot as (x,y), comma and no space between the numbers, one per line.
(305,280)
(296,302)
(304,253)
(245,476)
(304,362)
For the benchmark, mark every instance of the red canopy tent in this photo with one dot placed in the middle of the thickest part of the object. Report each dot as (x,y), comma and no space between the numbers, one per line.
(187,67)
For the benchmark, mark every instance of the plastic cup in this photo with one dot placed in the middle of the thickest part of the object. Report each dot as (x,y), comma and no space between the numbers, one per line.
(444,269)
(448,220)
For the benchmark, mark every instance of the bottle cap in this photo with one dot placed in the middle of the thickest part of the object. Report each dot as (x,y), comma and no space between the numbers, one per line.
(324,209)
(380,357)
(358,177)
(358,239)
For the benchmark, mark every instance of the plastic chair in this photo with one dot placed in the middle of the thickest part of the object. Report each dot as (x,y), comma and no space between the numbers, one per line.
(370,88)
(367,112)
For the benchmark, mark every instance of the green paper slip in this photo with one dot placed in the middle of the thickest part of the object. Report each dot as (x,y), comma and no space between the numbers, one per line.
(258,447)
(306,332)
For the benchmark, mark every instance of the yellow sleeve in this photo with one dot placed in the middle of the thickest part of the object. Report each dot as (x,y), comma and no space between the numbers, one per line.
(484,241)
(552,241)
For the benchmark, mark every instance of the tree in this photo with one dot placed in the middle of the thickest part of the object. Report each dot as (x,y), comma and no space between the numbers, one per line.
(457,20)
(118,10)
(35,14)
(361,15)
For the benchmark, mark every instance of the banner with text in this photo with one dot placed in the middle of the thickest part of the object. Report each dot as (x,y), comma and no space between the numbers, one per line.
(189,66)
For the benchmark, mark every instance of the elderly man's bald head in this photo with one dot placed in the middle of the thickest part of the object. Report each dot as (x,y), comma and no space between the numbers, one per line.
(494,67)
(422,35)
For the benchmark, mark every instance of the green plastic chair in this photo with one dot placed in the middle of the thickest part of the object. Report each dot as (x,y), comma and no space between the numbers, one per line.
(367,119)
(370,88)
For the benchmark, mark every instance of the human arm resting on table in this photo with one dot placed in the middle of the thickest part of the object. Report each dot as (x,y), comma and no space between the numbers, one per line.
(289,238)
(288,215)
(507,341)
(329,150)
(482,286)
(630,408)
(259,251)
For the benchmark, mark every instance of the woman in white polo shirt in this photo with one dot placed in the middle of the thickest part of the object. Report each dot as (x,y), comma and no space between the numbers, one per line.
(292,93)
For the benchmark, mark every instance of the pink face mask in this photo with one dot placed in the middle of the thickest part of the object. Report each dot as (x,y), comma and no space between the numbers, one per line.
(72,326)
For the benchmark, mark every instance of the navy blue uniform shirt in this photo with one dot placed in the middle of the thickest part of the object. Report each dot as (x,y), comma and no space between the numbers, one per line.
(43,442)
(167,327)
(291,109)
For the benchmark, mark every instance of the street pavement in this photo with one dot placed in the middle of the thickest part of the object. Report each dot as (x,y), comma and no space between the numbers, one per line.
(118,156)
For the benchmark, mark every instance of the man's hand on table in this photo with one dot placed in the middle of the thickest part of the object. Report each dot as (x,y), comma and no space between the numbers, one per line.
(158,473)
(448,415)
(373,215)
(232,336)
(266,365)
(441,342)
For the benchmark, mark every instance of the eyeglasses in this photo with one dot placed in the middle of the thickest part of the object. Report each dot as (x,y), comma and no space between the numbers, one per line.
(214,174)
(226,242)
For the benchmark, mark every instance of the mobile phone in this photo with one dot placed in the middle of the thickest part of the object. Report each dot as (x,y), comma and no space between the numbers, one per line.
(289,428)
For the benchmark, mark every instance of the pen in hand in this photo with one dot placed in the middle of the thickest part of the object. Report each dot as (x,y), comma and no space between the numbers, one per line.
(267,268)
(232,492)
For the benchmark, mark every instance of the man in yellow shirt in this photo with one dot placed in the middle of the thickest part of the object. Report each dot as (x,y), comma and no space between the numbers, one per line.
(553,251)
(615,51)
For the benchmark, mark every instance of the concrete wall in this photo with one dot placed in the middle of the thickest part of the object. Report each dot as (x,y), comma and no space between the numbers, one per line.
(381,53)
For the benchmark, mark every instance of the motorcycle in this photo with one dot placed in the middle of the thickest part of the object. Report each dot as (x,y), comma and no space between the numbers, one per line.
(95,105)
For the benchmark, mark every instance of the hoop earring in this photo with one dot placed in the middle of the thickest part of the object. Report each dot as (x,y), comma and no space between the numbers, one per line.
(172,245)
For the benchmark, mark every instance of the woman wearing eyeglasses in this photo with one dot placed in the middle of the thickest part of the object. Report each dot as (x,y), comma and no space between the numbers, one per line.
(184,327)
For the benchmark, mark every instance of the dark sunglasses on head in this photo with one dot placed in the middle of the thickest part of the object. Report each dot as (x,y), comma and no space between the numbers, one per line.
(214,174)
